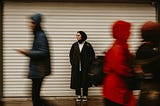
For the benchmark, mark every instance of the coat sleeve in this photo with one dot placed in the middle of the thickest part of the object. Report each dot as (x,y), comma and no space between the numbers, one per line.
(92,54)
(41,50)
(71,54)
(115,62)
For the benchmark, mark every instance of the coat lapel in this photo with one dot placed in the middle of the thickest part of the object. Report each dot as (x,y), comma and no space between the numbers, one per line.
(77,48)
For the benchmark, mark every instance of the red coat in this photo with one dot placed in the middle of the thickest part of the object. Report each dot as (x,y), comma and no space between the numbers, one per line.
(116,65)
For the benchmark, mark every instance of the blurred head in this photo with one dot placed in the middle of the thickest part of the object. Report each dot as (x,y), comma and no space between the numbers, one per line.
(35,22)
(81,36)
(121,30)
(150,32)
(32,25)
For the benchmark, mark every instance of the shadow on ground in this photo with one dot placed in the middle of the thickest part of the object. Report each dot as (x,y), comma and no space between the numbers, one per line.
(58,101)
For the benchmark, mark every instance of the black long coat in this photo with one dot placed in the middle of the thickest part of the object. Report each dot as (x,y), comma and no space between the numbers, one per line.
(86,57)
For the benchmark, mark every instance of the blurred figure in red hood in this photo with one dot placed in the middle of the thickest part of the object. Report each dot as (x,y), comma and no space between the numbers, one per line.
(116,65)
(149,52)
(121,31)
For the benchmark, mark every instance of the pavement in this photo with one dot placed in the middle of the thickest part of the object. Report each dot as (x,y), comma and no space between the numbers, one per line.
(52,101)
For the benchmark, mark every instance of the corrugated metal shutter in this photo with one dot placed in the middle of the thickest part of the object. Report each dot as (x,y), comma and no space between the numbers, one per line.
(62,21)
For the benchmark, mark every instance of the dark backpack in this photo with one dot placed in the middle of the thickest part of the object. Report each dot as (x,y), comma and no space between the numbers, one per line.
(96,74)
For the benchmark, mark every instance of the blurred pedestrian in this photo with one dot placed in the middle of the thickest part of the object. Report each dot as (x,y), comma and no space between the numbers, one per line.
(81,58)
(149,55)
(39,55)
(117,65)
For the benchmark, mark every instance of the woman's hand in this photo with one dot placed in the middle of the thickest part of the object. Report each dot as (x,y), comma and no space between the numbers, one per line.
(23,51)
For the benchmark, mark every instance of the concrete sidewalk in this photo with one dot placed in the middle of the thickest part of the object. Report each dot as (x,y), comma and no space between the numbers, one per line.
(52,101)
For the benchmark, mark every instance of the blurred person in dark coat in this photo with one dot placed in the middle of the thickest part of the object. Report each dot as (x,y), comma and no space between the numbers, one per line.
(149,55)
(39,65)
(117,62)
(81,57)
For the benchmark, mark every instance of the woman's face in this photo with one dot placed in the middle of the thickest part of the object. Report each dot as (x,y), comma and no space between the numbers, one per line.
(78,36)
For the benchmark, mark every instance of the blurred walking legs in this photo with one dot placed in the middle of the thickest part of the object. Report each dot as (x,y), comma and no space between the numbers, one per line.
(36,87)
(110,103)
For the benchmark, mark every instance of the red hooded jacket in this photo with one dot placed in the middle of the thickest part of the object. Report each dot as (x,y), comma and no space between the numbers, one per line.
(116,65)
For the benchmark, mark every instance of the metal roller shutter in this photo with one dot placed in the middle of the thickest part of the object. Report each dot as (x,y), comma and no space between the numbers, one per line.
(61,22)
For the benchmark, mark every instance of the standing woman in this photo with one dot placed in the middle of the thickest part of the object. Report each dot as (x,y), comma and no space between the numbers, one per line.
(116,65)
(81,58)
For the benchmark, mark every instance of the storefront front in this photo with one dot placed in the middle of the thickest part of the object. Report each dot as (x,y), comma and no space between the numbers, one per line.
(61,22)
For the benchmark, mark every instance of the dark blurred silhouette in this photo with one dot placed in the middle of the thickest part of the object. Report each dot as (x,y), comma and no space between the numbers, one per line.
(149,55)
(81,58)
(39,55)
(117,63)
(1,103)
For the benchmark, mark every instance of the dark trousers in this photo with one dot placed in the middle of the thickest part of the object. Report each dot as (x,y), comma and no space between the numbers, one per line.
(110,103)
(85,91)
(36,87)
